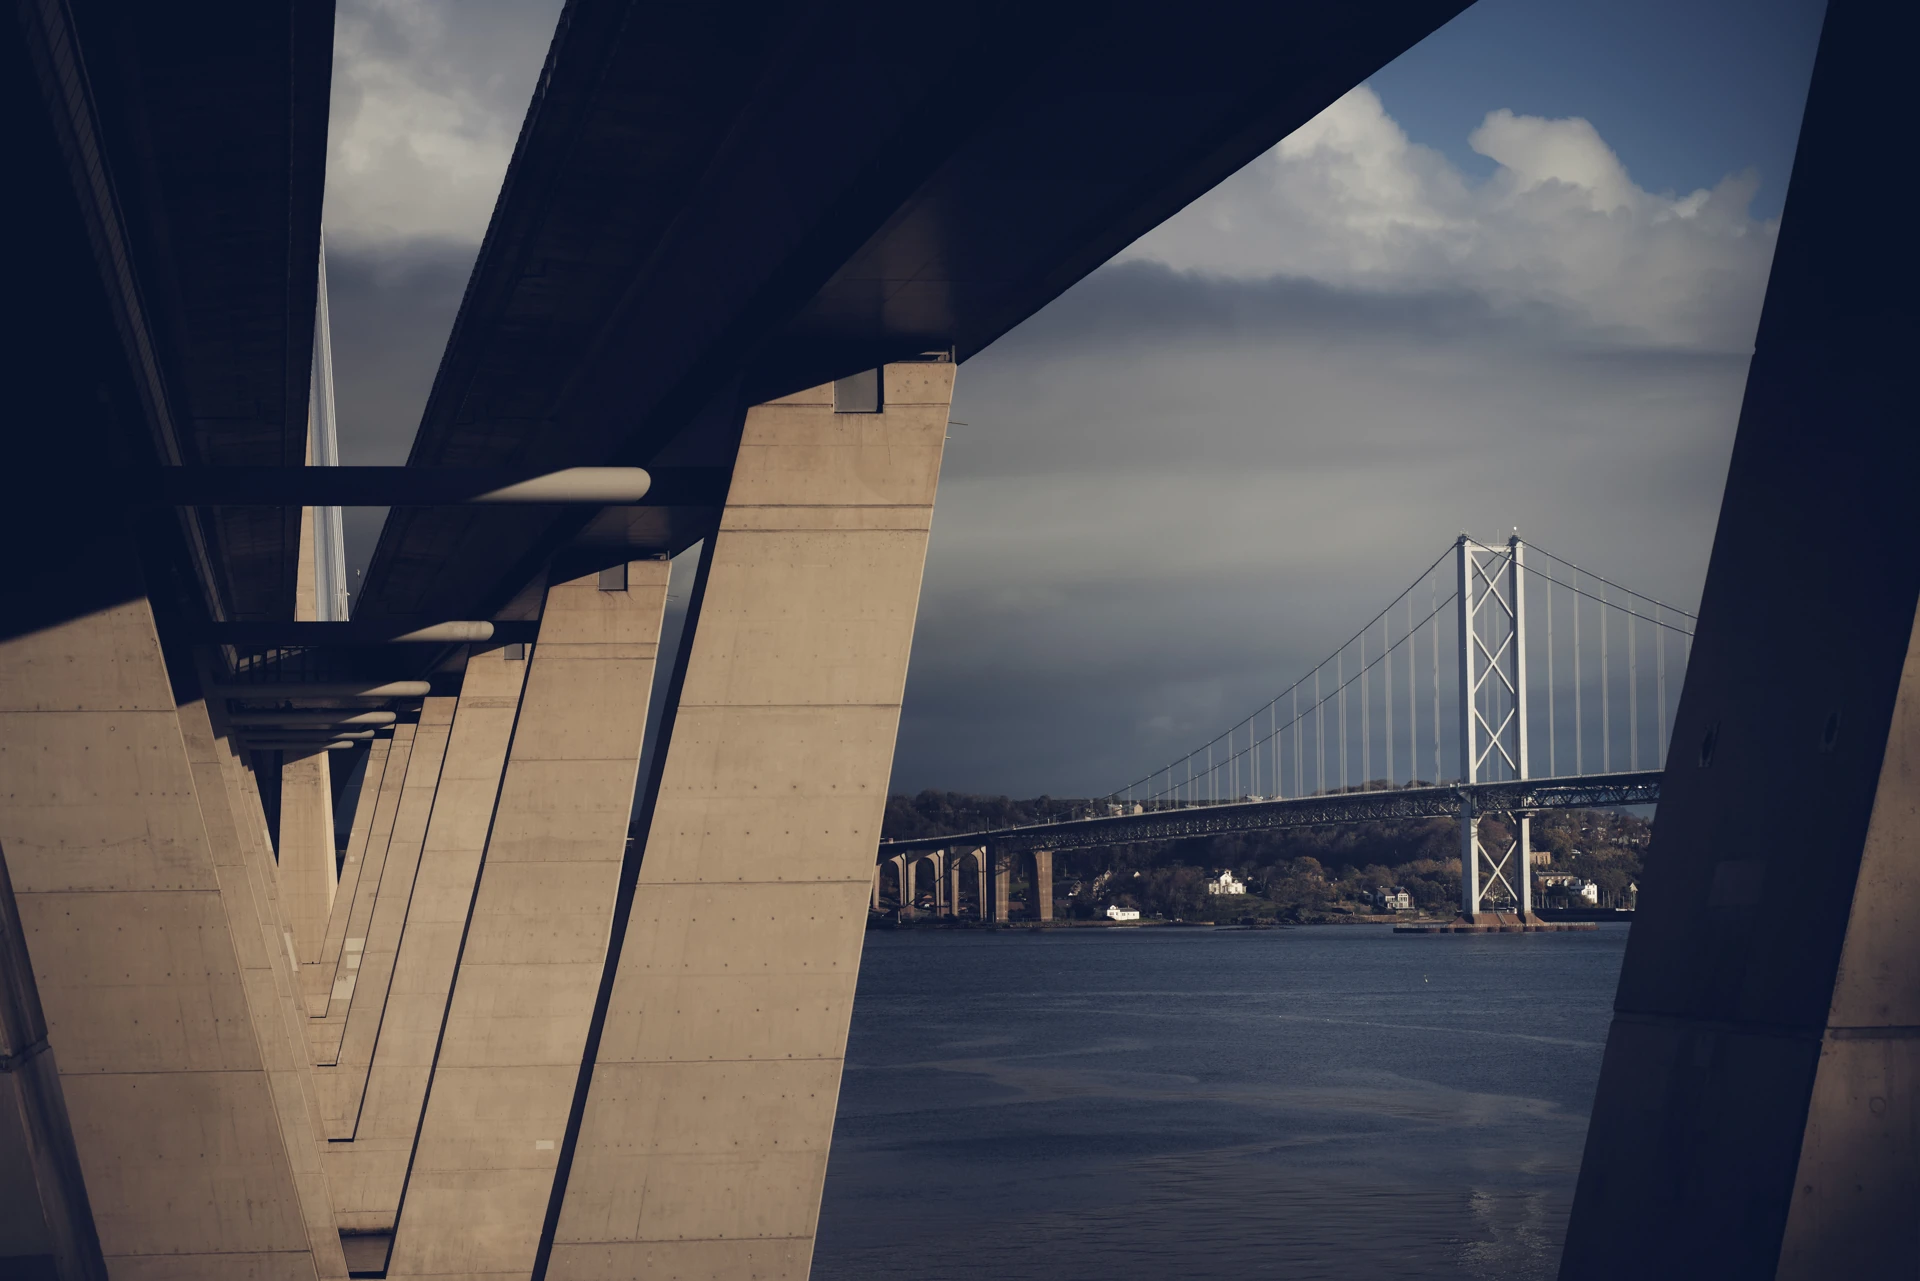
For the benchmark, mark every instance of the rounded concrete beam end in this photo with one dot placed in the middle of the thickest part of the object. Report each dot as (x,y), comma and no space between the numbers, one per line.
(465,633)
(581,485)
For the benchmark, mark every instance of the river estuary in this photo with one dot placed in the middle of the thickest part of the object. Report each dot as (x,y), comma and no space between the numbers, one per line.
(1159,1104)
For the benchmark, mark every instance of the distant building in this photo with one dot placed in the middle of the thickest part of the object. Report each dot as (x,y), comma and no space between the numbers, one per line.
(1573,887)
(1394,900)
(1225,884)
(1123,914)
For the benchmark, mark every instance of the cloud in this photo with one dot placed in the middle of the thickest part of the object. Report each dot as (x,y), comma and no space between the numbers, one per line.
(1198,471)
(1349,201)
(428,96)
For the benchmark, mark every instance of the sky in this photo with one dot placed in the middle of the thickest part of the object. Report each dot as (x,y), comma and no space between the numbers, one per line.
(1512,281)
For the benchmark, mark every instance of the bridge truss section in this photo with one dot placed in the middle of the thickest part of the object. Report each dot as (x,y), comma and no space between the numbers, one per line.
(1598,791)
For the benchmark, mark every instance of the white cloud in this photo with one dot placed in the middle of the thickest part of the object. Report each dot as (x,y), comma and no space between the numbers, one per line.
(428,97)
(1350,201)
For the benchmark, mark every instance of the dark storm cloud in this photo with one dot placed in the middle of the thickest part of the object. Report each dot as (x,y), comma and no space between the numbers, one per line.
(1146,302)
(392,307)
(1171,494)
(428,97)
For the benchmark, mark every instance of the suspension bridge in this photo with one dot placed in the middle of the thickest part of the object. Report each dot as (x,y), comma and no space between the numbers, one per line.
(1502,681)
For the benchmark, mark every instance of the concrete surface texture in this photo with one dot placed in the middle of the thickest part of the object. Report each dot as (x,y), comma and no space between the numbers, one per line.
(307,868)
(269,975)
(316,980)
(370,1169)
(46,1217)
(508,1058)
(703,1145)
(119,898)
(1859,1157)
(356,911)
(343,1086)
(1754,1116)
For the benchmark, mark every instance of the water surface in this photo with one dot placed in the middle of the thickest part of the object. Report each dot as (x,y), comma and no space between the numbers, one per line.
(1158,1103)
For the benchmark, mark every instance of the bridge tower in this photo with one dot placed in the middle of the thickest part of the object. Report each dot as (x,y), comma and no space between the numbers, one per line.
(1493,720)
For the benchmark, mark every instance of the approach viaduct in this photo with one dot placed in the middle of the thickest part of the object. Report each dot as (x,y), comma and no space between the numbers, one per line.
(494,1041)
(994,858)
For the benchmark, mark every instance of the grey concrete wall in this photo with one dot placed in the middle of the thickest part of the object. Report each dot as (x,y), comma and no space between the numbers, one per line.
(306,866)
(316,980)
(1042,905)
(1860,1156)
(530,968)
(324,1034)
(46,1223)
(343,1086)
(269,976)
(368,1171)
(173,1115)
(704,1140)
(1755,1110)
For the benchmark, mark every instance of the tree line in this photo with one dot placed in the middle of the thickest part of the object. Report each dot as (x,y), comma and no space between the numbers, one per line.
(1304,874)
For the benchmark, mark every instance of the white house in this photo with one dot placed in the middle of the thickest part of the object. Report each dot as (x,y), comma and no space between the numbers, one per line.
(1123,914)
(1573,887)
(1225,884)
(1394,900)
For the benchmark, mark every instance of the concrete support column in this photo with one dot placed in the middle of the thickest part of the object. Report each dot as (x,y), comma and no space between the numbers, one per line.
(355,913)
(316,981)
(703,1142)
(269,974)
(306,868)
(937,861)
(984,896)
(343,1087)
(908,864)
(1758,1110)
(1042,885)
(1000,881)
(1523,855)
(504,1076)
(46,1225)
(120,903)
(953,882)
(876,887)
(367,1172)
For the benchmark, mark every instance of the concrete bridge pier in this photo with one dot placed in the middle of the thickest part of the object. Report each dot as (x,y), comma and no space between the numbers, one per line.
(907,863)
(937,868)
(698,1143)
(999,886)
(1041,901)
(1758,1110)
(983,894)
(148,948)
(953,882)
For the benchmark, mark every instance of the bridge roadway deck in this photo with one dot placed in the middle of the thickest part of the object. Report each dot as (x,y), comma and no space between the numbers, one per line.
(1585,791)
